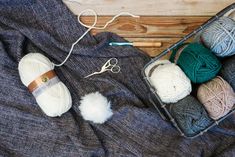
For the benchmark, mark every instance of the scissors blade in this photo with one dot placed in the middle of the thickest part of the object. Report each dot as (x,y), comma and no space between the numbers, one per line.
(95,73)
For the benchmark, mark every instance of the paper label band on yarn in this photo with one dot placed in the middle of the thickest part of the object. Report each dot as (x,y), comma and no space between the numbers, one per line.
(44,86)
(44,81)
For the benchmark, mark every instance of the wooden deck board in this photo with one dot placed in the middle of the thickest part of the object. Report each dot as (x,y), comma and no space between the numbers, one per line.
(149,27)
(167,30)
(151,7)
(164,21)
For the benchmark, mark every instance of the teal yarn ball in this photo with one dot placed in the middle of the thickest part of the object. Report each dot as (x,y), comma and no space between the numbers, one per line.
(198,62)
(190,115)
(220,37)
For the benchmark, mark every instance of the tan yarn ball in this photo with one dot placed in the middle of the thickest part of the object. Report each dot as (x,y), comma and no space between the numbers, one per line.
(217,96)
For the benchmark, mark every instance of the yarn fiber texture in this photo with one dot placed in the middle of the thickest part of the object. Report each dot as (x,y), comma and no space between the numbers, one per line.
(198,62)
(220,37)
(232,15)
(95,107)
(228,71)
(54,100)
(190,115)
(169,81)
(217,96)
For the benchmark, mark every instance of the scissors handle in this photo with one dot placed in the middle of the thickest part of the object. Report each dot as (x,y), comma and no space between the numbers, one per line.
(110,65)
(115,69)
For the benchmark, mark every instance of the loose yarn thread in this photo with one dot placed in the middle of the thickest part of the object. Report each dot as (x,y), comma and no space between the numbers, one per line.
(90,27)
(198,62)
(220,37)
(169,81)
(217,96)
(190,115)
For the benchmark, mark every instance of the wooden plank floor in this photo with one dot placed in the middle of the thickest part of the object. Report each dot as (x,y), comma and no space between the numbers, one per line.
(151,7)
(163,21)
(168,30)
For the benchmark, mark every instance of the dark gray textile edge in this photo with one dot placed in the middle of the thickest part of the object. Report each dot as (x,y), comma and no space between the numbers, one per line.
(48,27)
(228,71)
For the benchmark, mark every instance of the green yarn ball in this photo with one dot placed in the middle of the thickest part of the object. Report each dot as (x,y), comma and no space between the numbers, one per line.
(198,62)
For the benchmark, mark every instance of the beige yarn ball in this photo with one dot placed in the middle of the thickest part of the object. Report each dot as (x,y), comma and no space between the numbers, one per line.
(217,96)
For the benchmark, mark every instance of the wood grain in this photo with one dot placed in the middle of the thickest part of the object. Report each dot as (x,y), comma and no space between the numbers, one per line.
(165,29)
(151,7)
(166,21)
(148,27)
(167,42)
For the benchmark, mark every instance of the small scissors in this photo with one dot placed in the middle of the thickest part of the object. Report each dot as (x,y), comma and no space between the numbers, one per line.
(110,65)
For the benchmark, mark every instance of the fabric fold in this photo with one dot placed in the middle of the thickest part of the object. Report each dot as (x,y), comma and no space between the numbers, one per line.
(48,27)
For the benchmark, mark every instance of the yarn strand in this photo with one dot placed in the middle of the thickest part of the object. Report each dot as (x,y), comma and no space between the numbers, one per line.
(90,28)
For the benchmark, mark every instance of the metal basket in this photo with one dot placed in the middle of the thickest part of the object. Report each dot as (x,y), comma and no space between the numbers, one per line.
(154,98)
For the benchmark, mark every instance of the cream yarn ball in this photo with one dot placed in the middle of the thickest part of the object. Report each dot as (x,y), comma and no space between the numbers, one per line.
(53,100)
(169,81)
(95,107)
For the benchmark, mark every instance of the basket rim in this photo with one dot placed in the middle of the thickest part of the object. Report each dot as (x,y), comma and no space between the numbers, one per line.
(163,105)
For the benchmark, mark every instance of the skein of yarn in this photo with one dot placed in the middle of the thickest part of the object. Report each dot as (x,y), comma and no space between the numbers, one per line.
(217,96)
(220,37)
(228,71)
(36,73)
(198,62)
(169,81)
(190,115)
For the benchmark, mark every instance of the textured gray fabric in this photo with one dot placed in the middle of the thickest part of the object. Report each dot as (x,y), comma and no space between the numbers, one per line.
(48,27)
(228,70)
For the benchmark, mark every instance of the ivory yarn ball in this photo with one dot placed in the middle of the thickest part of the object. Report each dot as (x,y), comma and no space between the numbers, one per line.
(54,100)
(169,81)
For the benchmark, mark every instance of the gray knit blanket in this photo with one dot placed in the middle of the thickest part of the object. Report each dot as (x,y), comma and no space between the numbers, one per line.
(48,27)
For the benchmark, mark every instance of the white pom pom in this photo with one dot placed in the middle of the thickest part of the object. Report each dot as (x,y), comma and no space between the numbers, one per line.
(169,81)
(95,107)
(53,100)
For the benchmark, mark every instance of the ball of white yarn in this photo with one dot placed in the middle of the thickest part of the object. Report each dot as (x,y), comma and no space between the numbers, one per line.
(95,107)
(55,100)
(169,81)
